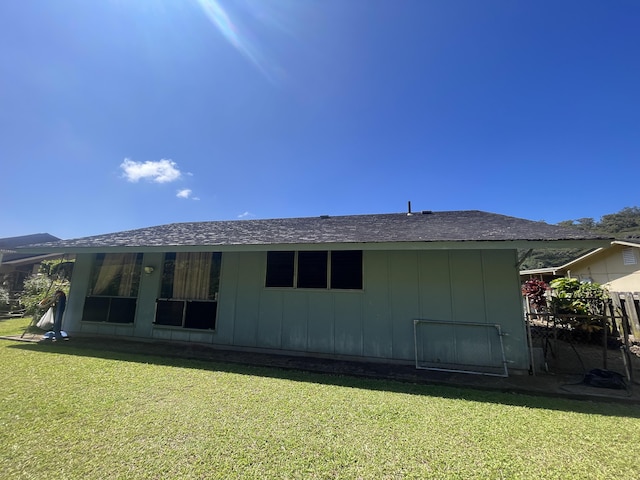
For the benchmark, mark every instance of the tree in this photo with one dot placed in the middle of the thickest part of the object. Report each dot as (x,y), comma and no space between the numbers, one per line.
(620,225)
(625,220)
(37,287)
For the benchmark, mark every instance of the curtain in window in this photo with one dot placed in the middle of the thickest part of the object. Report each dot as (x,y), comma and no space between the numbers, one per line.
(192,276)
(116,275)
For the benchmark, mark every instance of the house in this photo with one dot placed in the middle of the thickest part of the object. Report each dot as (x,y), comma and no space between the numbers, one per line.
(616,266)
(440,289)
(16,267)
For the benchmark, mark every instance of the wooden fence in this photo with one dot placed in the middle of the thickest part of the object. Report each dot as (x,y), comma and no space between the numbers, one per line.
(554,346)
(626,305)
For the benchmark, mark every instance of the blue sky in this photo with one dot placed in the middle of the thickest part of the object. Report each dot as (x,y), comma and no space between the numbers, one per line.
(120,114)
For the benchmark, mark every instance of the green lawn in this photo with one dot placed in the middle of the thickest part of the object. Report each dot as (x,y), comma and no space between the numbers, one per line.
(70,413)
(15,326)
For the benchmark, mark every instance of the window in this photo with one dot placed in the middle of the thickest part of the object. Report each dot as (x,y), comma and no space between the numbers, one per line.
(114,287)
(629,257)
(312,269)
(109,309)
(116,274)
(340,269)
(280,269)
(196,314)
(346,269)
(191,276)
(189,291)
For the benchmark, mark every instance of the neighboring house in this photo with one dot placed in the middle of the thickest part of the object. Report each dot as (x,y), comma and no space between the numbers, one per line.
(616,266)
(437,288)
(16,267)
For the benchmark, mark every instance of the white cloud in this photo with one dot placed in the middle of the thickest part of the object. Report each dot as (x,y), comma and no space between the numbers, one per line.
(245,215)
(162,171)
(186,193)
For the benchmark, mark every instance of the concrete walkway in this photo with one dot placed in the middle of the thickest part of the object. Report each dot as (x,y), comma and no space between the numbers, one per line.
(559,386)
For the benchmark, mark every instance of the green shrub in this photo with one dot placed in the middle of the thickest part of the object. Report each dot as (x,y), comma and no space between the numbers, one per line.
(571,297)
(36,288)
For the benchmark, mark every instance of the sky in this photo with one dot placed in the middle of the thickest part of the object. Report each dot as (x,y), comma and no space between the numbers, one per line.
(123,114)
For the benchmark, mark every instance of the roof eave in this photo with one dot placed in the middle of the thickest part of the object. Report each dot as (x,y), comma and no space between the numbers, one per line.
(537,271)
(626,244)
(409,245)
(32,259)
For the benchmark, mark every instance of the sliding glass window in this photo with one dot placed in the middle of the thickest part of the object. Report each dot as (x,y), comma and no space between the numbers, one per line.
(189,290)
(115,280)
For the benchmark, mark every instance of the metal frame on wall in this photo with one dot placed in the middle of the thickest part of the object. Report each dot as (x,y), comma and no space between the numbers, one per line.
(497,370)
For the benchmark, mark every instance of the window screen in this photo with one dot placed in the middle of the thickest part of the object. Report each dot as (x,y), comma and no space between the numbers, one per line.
(109,309)
(187,314)
(280,268)
(201,315)
(312,269)
(346,269)
(169,312)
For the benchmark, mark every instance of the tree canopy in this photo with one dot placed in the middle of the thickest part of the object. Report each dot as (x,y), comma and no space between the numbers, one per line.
(622,225)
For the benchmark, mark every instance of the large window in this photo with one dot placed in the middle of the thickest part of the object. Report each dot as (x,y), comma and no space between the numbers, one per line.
(341,269)
(116,274)
(191,276)
(115,281)
(189,291)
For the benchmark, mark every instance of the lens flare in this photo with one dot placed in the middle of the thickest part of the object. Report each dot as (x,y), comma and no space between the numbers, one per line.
(240,40)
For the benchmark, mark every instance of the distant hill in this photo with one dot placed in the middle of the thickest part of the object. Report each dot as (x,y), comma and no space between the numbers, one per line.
(623,225)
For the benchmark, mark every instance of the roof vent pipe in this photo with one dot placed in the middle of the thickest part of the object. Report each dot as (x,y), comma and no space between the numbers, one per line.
(409,207)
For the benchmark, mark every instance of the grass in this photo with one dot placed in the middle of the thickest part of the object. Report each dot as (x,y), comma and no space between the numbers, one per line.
(68,413)
(15,326)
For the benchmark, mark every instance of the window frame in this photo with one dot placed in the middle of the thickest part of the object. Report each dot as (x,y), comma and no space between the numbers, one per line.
(186,319)
(308,269)
(285,260)
(329,274)
(168,279)
(109,306)
(136,272)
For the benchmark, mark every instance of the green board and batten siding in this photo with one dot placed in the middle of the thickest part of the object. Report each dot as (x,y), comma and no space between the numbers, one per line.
(376,322)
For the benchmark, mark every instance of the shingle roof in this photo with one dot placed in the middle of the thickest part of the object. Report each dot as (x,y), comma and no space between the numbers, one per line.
(452,226)
(10,242)
(8,245)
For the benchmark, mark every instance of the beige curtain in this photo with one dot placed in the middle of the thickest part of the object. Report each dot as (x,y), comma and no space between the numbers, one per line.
(128,274)
(192,276)
(120,266)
